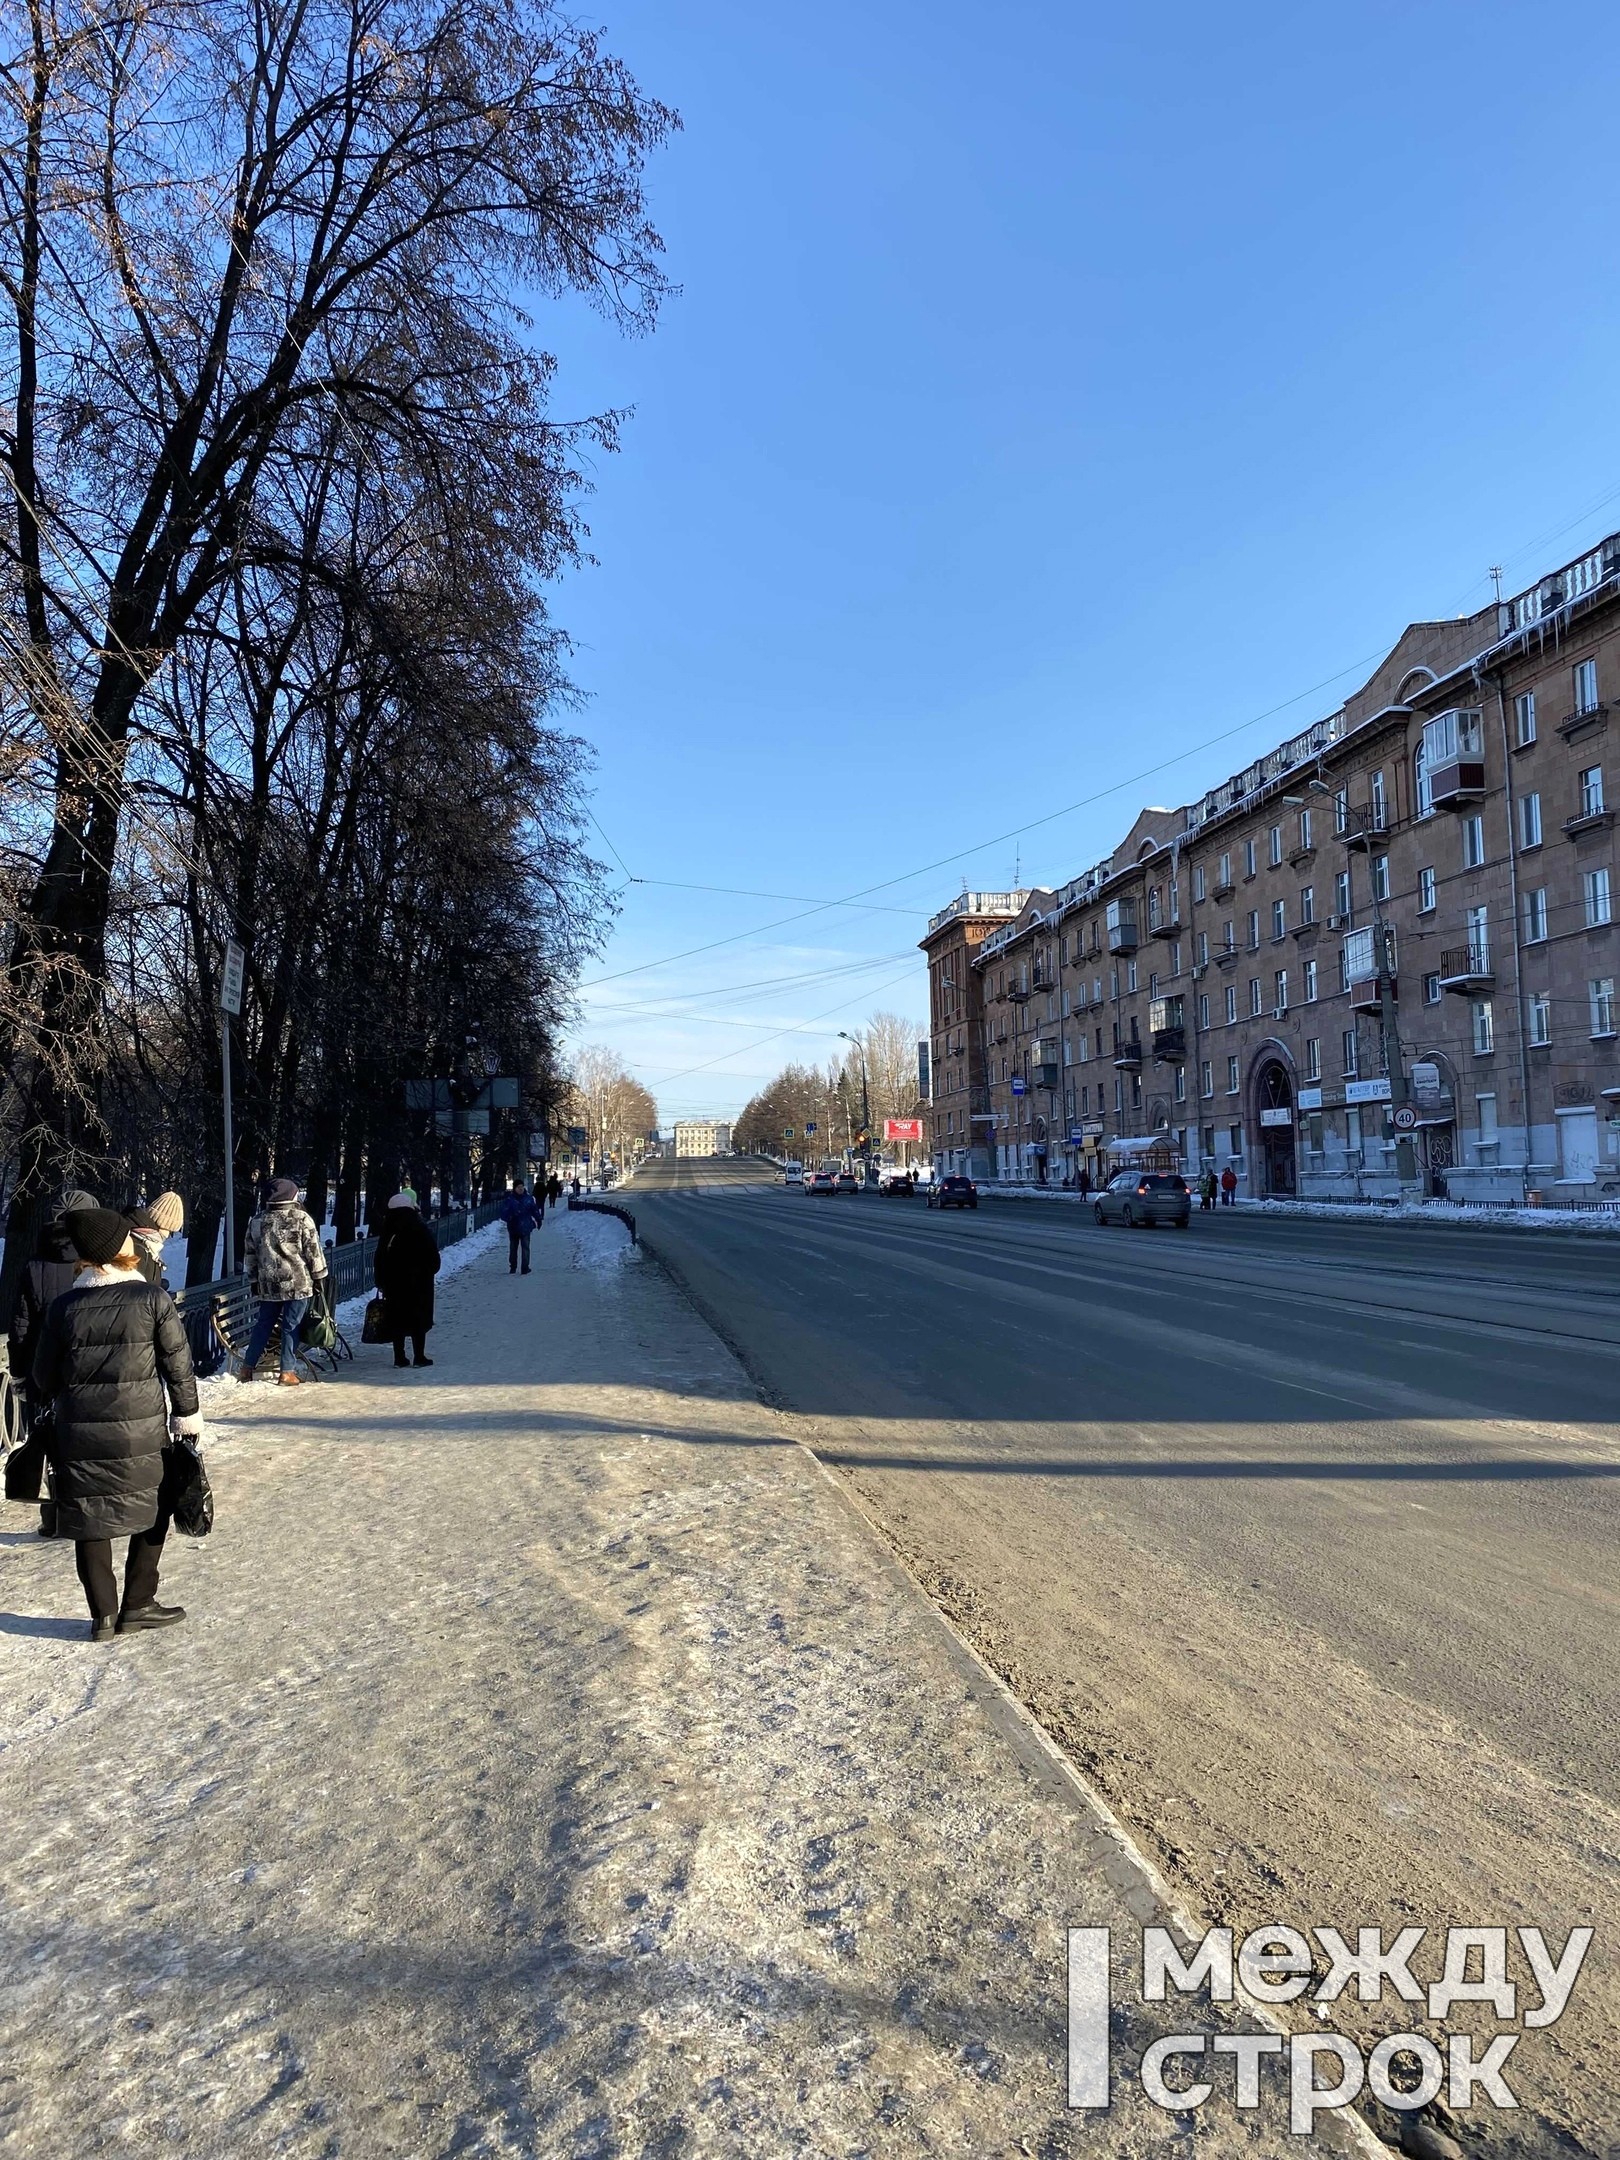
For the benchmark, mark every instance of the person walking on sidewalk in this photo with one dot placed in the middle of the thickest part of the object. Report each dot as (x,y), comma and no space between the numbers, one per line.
(1229,1187)
(522,1218)
(1206,1191)
(283,1262)
(407,1260)
(109,1349)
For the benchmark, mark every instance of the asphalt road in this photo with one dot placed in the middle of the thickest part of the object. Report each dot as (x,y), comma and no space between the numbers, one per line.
(1300,1535)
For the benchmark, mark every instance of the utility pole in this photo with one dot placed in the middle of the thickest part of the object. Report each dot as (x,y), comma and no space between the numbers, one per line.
(866,1101)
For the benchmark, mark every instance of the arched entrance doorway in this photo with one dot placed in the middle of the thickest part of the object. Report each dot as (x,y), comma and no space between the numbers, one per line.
(1274,1104)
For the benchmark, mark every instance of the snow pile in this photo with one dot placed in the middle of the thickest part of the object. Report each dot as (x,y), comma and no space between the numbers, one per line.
(600,1244)
(1605,1220)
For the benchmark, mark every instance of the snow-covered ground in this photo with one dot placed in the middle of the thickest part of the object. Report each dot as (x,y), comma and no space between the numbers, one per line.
(551,1763)
(1604,1220)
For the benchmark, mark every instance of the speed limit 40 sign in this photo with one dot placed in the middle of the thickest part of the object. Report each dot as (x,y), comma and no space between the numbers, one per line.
(1405,1118)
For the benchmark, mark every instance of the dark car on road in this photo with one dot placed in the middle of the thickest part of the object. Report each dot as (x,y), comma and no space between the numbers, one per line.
(954,1192)
(1141,1198)
(847,1181)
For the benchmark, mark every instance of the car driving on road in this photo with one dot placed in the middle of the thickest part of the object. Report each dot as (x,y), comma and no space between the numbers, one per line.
(822,1182)
(847,1181)
(954,1192)
(1141,1198)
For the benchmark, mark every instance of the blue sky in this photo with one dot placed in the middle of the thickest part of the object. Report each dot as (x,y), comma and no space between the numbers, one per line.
(1052,391)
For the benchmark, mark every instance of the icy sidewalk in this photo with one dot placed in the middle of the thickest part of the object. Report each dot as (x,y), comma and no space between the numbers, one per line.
(551,1764)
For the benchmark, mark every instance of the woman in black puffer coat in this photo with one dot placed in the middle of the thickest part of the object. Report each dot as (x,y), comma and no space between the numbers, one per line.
(406,1263)
(109,1348)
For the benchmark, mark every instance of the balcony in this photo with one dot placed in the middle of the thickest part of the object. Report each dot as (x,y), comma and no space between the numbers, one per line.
(1366,828)
(1364,997)
(1128,1053)
(1361,969)
(1045,1065)
(1587,821)
(1222,887)
(1585,722)
(1122,926)
(1018,994)
(1299,858)
(1467,970)
(1170,927)
(1454,759)
(1169,1046)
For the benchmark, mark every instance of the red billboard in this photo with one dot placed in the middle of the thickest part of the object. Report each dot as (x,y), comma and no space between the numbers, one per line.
(902,1128)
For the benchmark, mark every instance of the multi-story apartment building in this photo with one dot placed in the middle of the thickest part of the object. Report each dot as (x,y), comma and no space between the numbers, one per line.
(1428,871)
(959,1104)
(702,1136)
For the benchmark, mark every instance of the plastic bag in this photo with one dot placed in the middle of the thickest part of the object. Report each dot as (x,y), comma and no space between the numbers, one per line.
(376,1327)
(187,1492)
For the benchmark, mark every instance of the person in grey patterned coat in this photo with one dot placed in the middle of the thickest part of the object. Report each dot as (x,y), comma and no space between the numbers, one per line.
(284,1263)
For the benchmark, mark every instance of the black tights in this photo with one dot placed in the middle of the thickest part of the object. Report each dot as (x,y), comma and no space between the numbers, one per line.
(93,1557)
(418,1345)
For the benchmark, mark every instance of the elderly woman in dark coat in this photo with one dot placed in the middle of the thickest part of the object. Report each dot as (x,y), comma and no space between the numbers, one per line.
(108,1350)
(406,1263)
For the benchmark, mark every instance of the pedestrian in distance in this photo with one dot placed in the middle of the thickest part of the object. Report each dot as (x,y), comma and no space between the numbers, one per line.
(407,1260)
(114,1367)
(1229,1187)
(554,1188)
(522,1218)
(1083,1180)
(573,1186)
(283,1261)
(1206,1191)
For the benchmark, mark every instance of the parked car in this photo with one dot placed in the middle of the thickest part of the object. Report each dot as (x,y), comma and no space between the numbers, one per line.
(1143,1198)
(822,1182)
(954,1192)
(847,1181)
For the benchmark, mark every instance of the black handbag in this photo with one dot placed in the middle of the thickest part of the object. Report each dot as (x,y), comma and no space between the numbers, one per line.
(25,1470)
(186,1491)
(376,1328)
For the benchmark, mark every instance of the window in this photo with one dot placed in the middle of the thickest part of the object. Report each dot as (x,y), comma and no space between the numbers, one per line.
(1600,997)
(1313,1057)
(1254,929)
(1426,892)
(1203,948)
(1431,989)
(1529,821)
(1153,982)
(1206,1077)
(1535,915)
(1231,1076)
(1279,918)
(1352,1131)
(1249,859)
(1119,1094)
(1479,939)
(1351,1053)
(1375,800)
(1198,888)
(1484,1026)
(1341,898)
(1203,1008)
(1524,719)
(1592,791)
(1130,974)
(1485,1109)
(1275,851)
(1538,1011)
(1304,830)
(1096,990)
(1380,877)
(1341,810)
(1586,696)
(1423,785)
(1256,1002)
(1310,982)
(1175,956)
(1595,886)
(1229,935)
(1231,1003)
(1224,881)
(1307,903)
(1234,1140)
(1181,1083)
(1473,842)
(1280,986)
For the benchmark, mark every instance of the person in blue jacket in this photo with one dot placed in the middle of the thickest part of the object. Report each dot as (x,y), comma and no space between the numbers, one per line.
(522,1218)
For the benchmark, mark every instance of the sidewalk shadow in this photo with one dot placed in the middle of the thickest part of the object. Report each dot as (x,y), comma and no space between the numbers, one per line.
(38,1624)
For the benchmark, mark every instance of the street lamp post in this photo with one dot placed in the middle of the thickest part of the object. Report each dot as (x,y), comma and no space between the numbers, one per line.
(866,1100)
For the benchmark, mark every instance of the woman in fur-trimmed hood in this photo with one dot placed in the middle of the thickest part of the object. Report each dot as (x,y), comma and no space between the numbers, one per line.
(113,1364)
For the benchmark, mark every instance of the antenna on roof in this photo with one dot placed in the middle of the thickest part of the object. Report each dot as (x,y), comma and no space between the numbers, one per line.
(1018,864)
(1496,579)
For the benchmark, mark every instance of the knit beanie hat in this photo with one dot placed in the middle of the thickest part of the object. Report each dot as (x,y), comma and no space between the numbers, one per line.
(168,1211)
(403,1199)
(142,1218)
(99,1234)
(76,1197)
(281,1188)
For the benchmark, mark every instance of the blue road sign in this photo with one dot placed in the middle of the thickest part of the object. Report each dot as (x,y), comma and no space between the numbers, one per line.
(1018,1086)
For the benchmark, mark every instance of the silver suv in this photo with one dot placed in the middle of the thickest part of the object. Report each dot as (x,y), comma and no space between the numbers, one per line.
(1144,1198)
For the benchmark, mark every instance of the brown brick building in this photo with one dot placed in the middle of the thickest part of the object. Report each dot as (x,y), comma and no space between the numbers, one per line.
(1213,987)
